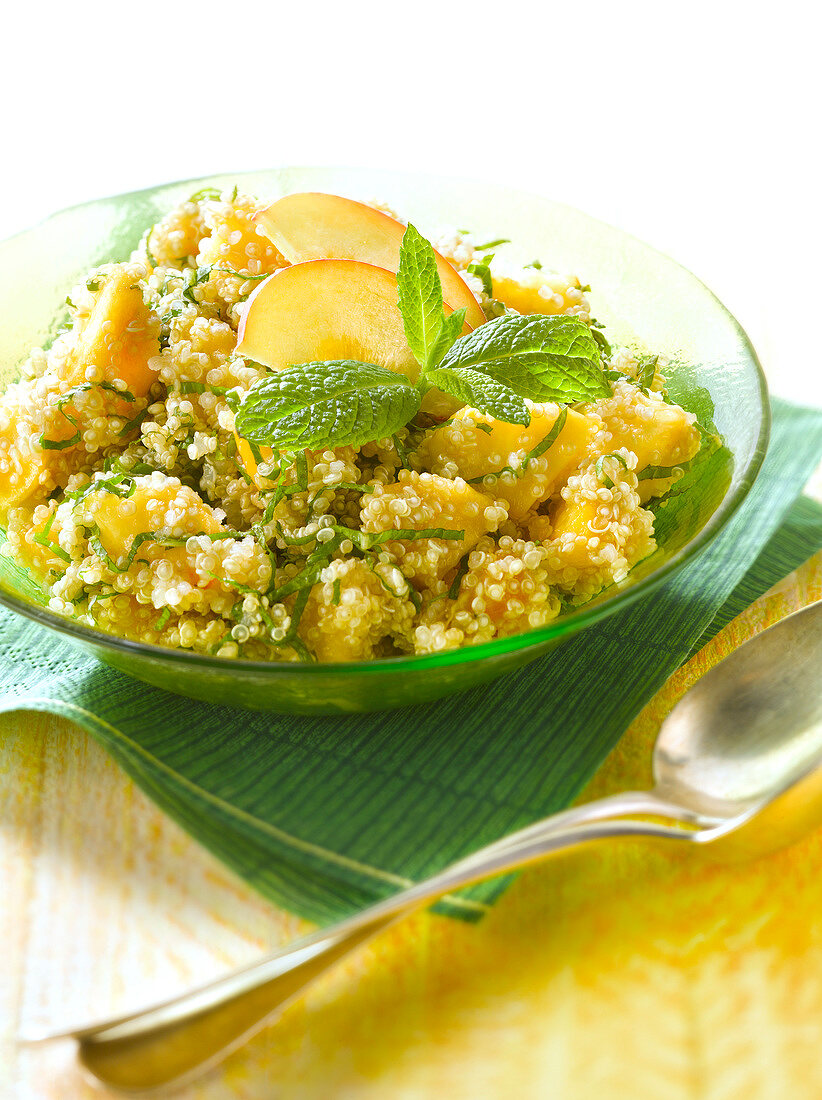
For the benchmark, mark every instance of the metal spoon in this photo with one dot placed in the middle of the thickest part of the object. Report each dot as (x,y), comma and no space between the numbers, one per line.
(737,764)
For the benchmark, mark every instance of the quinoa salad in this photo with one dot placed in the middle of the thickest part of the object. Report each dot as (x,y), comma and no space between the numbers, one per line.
(301,431)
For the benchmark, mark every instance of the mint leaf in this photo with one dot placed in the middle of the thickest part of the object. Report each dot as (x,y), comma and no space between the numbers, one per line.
(420,294)
(481,392)
(540,357)
(452,326)
(333,404)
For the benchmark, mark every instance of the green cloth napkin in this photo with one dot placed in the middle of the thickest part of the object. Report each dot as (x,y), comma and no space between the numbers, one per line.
(324,815)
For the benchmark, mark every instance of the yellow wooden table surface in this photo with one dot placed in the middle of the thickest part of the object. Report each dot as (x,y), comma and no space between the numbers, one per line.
(623,970)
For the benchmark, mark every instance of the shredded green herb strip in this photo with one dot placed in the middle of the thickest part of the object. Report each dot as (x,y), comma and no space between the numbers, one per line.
(600,472)
(96,597)
(193,278)
(246,589)
(206,193)
(121,484)
(165,615)
(42,539)
(135,422)
(301,470)
(482,270)
(240,274)
(646,371)
(157,537)
(291,638)
(229,393)
(401,451)
(492,244)
(294,540)
(535,452)
(367,540)
(352,486)
(462,569)
(410,592)
(335,592)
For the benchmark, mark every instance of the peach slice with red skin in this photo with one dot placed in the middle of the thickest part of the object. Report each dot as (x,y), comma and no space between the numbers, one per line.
(315,226)
(331,309)
(326,309)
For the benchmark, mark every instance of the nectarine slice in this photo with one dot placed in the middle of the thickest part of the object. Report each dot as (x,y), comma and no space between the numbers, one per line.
(332,309)
(326,309)
(315,226)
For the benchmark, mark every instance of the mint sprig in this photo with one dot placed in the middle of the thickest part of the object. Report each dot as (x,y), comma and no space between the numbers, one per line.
(494,369)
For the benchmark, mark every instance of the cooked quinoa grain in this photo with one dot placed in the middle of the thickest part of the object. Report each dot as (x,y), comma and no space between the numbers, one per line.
(126,489)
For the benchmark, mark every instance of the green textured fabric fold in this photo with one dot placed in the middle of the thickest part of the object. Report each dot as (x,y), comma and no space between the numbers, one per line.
(324,815)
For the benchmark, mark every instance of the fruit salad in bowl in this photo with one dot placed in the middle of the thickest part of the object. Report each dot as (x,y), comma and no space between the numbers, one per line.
(301,431)
(267,441)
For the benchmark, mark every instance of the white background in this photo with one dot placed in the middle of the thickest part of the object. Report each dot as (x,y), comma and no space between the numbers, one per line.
(694,126)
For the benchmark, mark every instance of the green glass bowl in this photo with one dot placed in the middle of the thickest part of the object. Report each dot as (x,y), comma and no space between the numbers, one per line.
(645,299)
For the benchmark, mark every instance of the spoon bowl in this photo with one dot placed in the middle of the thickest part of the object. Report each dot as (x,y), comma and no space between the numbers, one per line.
(750,727)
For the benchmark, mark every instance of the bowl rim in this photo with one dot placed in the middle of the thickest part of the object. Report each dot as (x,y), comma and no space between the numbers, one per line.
(569,623)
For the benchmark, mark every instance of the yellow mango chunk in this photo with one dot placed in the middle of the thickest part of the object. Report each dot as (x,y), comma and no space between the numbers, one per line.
(475,452)
(117,342)
(365,611)
(534,291)
(119,338)
(26,469)
(424,501)
(20,466)
(233,241)
(571,529)
(158,503)
(659,434)
(508,584)
(599,532)
(246,459)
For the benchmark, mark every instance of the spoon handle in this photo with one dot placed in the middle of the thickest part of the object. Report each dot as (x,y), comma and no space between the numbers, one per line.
(176,1041)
